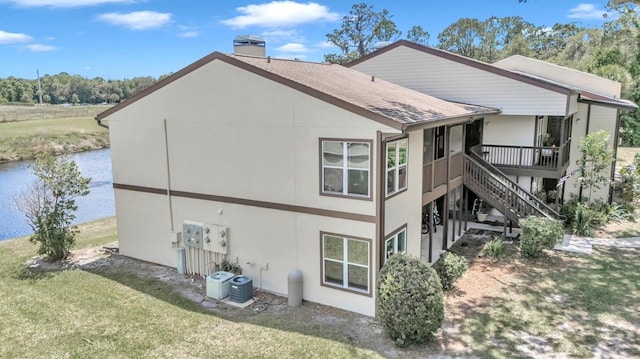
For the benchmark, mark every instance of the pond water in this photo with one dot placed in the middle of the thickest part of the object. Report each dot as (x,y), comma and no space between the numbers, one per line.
(15,177)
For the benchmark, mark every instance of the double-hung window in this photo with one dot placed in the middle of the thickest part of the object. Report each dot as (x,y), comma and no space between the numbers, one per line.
(345,263)
(345,168)
(397,243)
(396,166)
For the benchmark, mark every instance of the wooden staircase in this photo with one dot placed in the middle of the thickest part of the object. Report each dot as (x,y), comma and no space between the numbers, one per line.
(496,189)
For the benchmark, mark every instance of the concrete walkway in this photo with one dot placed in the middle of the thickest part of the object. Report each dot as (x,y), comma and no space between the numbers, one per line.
(577,244)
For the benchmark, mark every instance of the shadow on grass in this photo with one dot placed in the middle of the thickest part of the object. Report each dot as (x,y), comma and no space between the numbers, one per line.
(560,305)
(310,319)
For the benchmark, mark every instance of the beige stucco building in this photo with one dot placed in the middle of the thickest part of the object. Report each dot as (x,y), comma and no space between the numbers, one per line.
(328,169)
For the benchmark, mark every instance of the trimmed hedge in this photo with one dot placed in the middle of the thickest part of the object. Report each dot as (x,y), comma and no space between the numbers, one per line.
(450,267)
(410,302)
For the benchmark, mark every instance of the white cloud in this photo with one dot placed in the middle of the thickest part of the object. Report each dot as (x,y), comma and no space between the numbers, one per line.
(137,20)
(280,14)
(12,37)
(87,68)
(293,48)
(65,3)
(325,45)
(40,48)
(282,35)
(189,33)
(292,56)
(586,12)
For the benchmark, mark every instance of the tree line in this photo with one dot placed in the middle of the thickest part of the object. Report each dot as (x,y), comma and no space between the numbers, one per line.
(610,51)
(72,89)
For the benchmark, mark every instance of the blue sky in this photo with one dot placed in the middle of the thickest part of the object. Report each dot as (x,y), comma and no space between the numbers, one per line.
(118,39)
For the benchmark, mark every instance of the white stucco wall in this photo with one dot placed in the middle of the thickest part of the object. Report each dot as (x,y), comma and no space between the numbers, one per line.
(239,136)
(601,118)
(405,208)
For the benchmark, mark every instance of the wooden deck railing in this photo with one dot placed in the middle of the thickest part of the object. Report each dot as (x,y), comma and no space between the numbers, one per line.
(502,193)
(528,157)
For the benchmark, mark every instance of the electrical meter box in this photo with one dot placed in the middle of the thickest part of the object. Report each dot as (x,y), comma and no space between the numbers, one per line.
(192,234)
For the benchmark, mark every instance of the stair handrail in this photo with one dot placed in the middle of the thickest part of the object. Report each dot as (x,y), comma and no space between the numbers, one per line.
(498,180)
(513,187)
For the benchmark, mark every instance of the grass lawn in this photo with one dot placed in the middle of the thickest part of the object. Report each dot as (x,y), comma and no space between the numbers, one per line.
(103,313)
(22,139)
(559,305)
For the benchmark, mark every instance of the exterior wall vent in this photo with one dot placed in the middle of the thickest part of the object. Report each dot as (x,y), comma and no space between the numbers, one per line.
(250,45)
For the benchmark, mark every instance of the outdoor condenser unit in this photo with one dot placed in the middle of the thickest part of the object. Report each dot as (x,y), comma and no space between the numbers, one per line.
(218,284)
(241,289)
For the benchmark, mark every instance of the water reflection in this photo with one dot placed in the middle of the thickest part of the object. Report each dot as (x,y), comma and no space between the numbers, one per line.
(16,176)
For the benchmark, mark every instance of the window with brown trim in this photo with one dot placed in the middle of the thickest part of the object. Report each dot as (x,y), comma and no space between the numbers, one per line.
(396,243)
(346,168)
(345,263)
(397,152)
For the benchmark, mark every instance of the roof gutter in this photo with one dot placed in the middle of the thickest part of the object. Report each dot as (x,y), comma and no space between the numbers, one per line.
(446,121)
(606,103)
(99,122)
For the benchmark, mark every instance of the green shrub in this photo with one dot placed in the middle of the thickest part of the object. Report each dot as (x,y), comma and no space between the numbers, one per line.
(229,267)
(539,233)
(450,267)
(568,210)
(630,181)
(600,213)
(582,220)
(410,302)
(496,248)
(623,212)
(596,214)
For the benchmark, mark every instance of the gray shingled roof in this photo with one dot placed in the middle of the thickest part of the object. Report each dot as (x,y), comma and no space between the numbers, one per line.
(395,102)
(354,91)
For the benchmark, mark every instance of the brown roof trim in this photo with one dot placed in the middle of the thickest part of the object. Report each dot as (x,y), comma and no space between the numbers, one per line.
(261,72)
(251,202)
(590,97)
(465,61)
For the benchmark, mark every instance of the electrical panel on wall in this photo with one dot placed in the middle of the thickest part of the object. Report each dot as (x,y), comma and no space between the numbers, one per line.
(215,238)
(192,234)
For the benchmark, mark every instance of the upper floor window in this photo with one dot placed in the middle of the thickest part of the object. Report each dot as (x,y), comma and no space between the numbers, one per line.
(396,166)
(455,139)
(439,150)
(346,168)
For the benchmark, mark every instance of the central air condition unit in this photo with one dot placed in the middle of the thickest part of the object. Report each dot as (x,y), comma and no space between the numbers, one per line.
(241,289)
(218,284)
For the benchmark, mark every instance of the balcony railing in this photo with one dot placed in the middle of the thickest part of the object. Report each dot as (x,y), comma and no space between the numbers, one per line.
(532,158)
